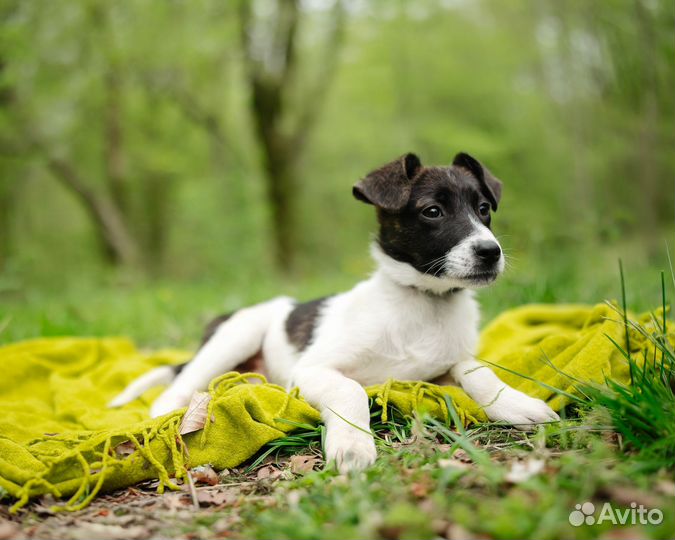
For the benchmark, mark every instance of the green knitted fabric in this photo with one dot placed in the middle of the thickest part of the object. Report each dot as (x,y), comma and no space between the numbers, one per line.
(58,437)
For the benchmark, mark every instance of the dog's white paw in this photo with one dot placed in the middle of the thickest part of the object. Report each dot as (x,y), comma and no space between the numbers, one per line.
(168,402)
(520,410)
(351,450)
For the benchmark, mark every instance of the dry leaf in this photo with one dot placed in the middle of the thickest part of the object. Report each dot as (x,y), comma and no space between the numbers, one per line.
(524,470)
(8,529)
(268,472)
(303,464)
(457,532)
(439,526)
(204,474)
(125,449)
(216,497)
(444,463)
(419,489)
(99,531)
(175,501)
(293,498)
(462,455)
(195,416)
(666,487)
(390,532)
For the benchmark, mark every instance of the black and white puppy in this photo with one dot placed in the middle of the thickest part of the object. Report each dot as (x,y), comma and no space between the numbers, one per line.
(415,318)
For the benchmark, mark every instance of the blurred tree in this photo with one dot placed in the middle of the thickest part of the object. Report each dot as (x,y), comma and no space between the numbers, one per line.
(145,130)
(284,122)
(105,206)
(8,189)
(129,223)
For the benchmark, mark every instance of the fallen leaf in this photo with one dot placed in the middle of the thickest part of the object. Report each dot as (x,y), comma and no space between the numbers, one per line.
(216,497)
(268,472)
(224,525)
(125,449)
(444,463)
(390,532)
(8,529)
(204,474)
(462,455)
(99,531)
(175,501)
(303,464)
(666,487)
(293,498)
(195,416)
(419,489)
(524,470)
(457,532)
(439,526)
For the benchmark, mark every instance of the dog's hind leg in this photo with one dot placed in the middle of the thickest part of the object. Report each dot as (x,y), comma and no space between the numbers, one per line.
(232,341)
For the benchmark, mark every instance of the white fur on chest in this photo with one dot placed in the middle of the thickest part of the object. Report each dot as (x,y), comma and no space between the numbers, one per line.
(381,330)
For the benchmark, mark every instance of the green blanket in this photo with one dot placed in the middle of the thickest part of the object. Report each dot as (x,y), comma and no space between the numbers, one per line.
(58,437)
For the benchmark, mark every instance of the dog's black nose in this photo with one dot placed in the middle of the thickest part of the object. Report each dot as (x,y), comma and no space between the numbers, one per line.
(487,251)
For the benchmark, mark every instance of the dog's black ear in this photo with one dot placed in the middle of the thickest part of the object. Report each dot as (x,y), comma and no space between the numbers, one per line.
(389,186)
(491,187)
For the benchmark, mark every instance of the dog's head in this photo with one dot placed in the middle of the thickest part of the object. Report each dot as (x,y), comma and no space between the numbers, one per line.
(435,222)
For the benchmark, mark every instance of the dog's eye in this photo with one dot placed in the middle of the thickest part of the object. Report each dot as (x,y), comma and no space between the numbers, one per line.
(432,212)
(484,209)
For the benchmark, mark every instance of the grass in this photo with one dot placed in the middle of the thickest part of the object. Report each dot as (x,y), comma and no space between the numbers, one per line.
(429,489)
(615,444)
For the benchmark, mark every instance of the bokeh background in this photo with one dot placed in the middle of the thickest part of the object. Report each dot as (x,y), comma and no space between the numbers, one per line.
(162,161)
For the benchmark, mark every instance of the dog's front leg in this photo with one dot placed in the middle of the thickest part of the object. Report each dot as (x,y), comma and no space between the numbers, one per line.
(499,401)
(343,404)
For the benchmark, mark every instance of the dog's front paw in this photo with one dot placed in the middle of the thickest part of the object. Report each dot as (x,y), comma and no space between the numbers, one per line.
(351,450)
(520,410)
(168,402)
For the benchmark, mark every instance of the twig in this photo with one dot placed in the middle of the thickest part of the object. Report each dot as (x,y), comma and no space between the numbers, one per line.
(193,490)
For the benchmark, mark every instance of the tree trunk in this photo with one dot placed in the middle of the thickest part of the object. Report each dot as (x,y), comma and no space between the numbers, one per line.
(7,185)
(114,158)
(281,191)
(648,145)
(6,204)
(118,245)
(281,132)
(157,193)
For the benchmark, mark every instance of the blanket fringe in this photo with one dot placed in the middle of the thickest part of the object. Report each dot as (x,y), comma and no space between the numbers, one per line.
(102,448)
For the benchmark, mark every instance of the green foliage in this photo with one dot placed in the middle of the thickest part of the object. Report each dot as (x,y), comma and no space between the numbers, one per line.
(569,103)
(642,412)
(426,490)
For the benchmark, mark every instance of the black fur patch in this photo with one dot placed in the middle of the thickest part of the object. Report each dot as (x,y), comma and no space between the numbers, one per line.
(301,322)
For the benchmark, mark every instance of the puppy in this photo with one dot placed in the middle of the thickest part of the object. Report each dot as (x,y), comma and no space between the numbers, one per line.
(415,318)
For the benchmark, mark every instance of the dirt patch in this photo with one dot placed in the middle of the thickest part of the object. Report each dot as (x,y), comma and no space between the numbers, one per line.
(209,508)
